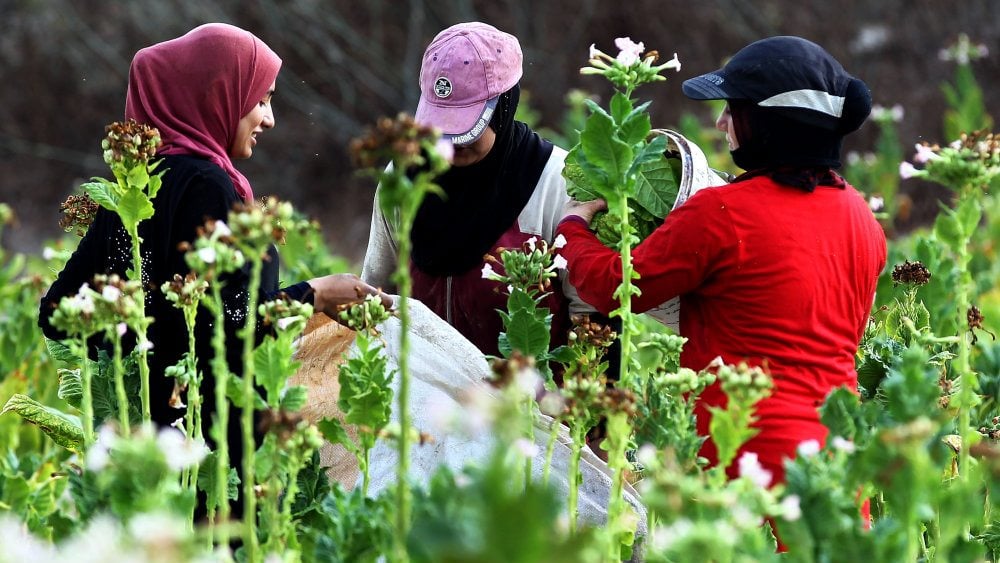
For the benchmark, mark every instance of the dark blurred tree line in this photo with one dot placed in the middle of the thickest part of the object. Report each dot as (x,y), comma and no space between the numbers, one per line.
(64,67)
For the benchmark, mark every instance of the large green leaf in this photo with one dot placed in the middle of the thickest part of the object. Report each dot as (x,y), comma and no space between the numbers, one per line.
(59,351)
(334,432)
(603,149)
(621,107)
(70,386)
(103,192)
(635,128)
(271,369)
(133,207)
(656,187)
(525,332)
(65,429)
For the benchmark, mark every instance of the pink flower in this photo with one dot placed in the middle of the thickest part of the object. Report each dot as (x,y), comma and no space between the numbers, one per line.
(907,170)
(629,51)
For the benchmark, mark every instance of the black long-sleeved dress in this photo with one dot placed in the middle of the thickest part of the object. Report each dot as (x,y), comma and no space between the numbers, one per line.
(193,190)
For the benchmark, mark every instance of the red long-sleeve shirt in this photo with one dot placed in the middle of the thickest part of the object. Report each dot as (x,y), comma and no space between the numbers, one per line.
(765,273)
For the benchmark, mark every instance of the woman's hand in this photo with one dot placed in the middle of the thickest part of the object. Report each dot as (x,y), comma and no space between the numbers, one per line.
(334,290)
(584,209)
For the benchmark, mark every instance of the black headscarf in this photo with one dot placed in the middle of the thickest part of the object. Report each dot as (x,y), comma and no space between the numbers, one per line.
(452,233)
(792,149)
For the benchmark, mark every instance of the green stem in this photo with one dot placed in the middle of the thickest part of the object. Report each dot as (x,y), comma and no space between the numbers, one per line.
(126,429)
(618,440)
(529,434)
(549,449)
(220,370)
(363,461)
(579,435)
(87,400)
(249,394)
(404,283)
(133,232)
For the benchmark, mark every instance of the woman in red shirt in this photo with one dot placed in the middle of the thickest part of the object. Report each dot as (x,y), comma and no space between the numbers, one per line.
(778,268)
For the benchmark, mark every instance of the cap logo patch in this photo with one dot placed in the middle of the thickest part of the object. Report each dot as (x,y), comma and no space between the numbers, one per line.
(442,87)
(714,79)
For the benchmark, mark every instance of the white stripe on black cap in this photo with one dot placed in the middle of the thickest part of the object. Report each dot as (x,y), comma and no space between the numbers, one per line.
(816,100)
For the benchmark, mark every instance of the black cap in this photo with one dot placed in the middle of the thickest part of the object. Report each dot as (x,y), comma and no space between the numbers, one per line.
(794,77)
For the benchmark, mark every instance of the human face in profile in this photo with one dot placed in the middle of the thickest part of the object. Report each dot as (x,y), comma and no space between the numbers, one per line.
(253,123)
(725,124)
(475,151)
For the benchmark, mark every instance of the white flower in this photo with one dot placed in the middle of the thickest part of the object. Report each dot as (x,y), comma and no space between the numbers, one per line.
(751,468)
(876,203)
(531,243)
(99,454)
(207,255)
(808,448)
(907,170)
(552,404)
(924,153)
(666,537)
(222,229)
(629,51)
(488,273)
(646,455)
(526,447)
(179,451)
(144,346)
(111,293)
(559,242)
(48,253)
(17,544)
(285,322)
(673,63)
(122,328)
(594,51)
(528,381)
(897,113)
(790,508)
(157,530)
(843,445)
(462,480)
(559,263)
(445,149)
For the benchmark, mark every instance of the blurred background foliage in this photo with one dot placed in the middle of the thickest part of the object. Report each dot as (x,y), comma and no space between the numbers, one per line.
(64,64)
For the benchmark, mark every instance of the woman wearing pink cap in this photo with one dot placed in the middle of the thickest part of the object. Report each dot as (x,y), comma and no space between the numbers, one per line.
(505,186)
(208,93)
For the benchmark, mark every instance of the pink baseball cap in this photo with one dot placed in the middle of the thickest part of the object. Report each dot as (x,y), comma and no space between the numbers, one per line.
(464,71)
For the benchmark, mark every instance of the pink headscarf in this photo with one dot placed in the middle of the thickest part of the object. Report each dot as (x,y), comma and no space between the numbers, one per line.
(197,87)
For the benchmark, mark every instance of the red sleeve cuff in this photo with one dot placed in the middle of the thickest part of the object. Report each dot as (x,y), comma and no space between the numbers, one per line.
(573,219)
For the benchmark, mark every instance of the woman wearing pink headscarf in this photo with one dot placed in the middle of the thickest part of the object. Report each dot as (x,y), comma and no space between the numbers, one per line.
(208,93)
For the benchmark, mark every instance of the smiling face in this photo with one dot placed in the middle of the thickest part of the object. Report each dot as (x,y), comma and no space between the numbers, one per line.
(725,124)
(259,118)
